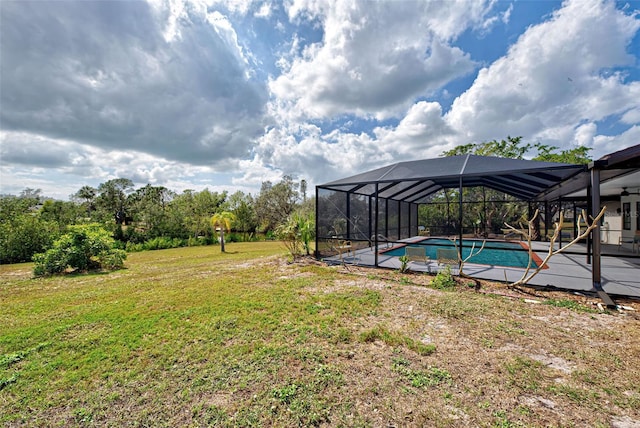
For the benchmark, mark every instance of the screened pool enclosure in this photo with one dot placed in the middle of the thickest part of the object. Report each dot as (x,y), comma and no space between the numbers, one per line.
(380,207)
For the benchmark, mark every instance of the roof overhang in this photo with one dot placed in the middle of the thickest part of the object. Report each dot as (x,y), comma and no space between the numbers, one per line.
(618,170)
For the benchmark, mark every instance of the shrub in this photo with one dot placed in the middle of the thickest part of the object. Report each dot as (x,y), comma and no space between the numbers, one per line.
(133,247)
(83,247)
(199,241)
(296,233)
(404,263)
(163,243)
(24,236)
(444,279)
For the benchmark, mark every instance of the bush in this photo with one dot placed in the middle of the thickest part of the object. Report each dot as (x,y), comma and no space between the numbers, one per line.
(444,279)
(199,241)
(83,247)
(24,236)
(163,243)
(404,263)
(134,248)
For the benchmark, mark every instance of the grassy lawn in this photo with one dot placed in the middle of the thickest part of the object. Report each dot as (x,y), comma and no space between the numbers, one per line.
(193,337)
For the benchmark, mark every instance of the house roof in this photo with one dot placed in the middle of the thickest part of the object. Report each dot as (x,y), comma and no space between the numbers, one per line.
(618,170)
(415,181)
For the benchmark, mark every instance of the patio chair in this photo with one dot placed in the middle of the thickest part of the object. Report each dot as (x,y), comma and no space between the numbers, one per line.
(447,257)
(635,242)
(345,247)
(418,254)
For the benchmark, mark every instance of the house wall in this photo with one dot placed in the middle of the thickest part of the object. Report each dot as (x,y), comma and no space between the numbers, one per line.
(633,200)
(611,229)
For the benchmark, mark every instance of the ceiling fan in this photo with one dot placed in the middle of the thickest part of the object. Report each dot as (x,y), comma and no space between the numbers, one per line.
(625,192)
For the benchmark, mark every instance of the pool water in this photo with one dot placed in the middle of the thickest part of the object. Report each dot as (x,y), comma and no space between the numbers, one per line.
(495,253)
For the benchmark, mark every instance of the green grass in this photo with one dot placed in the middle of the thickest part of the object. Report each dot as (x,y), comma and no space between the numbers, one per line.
(173,328)
(569,304)
(394,338)
(194,337)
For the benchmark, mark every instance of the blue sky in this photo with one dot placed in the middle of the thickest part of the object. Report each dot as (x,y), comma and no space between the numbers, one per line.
(227,94)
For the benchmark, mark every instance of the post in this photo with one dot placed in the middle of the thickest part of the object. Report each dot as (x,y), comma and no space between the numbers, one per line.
(317,251)
(460,222)
(375,225)
(590,212)
(348,231)
(484,212)
(575,220)
(595,234)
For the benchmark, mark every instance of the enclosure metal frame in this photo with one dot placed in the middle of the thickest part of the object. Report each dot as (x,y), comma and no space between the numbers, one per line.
(416,182)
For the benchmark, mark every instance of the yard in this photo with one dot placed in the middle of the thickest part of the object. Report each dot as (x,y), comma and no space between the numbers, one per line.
(194,337)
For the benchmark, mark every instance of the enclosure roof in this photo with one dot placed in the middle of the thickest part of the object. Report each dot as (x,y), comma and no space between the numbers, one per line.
(416,181)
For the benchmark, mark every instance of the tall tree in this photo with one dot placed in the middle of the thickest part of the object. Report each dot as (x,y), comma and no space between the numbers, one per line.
(112,198)
(577,155)
(29,193)
(276,202)
(241,205)
(512,148)
(86,195)
(303,190)
(61,212)
(149,208)
(23,232)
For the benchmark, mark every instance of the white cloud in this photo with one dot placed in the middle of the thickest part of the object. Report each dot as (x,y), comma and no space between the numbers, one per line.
(631,117)
(604,144)
(264,11)
(168,93)
(506,15)
(422,133)
(375,57)
(584,134)
(304,150)
(553,78)
(72,163)
(542,89)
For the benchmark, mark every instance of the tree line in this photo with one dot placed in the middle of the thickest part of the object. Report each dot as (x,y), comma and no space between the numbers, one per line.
(488,210)
(153,217)
(146,217)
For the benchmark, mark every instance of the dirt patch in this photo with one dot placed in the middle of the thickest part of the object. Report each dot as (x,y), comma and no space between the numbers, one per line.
(513,356)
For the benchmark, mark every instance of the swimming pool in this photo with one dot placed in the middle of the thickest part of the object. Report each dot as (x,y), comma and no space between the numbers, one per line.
(495,253)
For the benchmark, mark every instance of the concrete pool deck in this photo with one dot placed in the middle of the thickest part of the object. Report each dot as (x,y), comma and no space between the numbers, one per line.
(570,271)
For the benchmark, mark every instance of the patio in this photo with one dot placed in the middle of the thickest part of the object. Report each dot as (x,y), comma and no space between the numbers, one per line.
(570,272)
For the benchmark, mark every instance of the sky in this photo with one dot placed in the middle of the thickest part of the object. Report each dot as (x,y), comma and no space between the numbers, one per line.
(226,95)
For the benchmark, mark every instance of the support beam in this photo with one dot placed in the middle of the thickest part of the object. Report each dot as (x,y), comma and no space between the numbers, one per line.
(590,212)
(595,234)
(460,221)
(348,231)
(316,252)
(375,225)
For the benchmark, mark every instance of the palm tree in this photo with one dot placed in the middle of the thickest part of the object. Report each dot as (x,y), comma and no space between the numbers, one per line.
(223,221)
(88,195)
